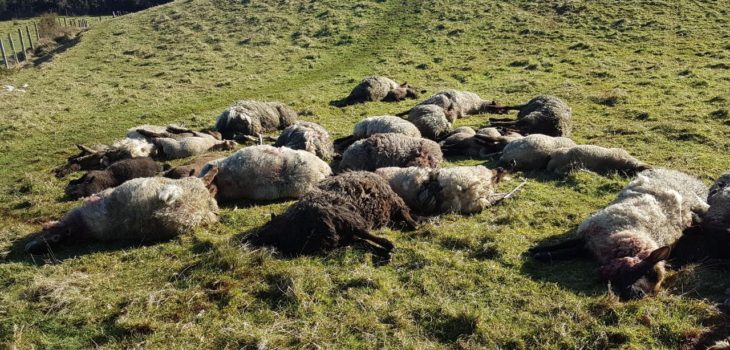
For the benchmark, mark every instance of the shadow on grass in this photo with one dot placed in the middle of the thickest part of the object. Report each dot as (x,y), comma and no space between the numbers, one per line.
(61,48)
(59,253)
(577,275)
(250,203)
(379,256)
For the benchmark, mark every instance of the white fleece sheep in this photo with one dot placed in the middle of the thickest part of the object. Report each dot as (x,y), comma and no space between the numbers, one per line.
(650,212)
(377,125)
(133,148)
(385,150)
(378,88)
(547,115)
(170,148)
(430,121)
(532,152)
(384,124)
(458,104)
(594,158)
(307,136)
(142,210)
(267,173)
(251,118)
(464,189)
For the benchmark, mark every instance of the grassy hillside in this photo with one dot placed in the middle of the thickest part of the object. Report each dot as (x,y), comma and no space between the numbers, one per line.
(652,77)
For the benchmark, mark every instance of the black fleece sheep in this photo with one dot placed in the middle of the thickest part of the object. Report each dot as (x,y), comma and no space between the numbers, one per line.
(339,212)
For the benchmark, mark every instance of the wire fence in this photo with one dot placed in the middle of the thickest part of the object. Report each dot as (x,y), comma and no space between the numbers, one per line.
(22,41)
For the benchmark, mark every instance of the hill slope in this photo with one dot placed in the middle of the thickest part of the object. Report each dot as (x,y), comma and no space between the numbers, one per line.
(651,77)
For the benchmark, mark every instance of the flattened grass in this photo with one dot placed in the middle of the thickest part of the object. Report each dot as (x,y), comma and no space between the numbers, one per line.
(647,76)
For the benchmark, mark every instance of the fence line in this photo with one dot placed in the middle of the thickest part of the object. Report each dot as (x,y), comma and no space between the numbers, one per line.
(19,55)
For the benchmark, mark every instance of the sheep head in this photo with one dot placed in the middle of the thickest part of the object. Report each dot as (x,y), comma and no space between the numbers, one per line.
(52,233)
(92,182)
(635,278)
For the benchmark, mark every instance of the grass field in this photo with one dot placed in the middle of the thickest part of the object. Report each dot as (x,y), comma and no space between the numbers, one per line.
(649,76)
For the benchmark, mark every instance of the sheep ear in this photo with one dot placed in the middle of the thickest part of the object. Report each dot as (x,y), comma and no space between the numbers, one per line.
(192,172)
(405,84)
(660,254)
(210,175)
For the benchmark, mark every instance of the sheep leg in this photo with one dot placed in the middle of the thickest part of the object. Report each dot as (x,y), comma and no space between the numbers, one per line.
(571,243)
(502,123)
(561,254)
(246,138)
(152,135)
(501,119)
(383,242)
(85,149)
(178,129)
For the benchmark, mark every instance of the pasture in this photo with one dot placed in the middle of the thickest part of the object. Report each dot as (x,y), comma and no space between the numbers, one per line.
(651,77)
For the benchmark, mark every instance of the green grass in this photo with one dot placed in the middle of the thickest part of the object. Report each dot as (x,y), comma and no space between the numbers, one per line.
(651,77)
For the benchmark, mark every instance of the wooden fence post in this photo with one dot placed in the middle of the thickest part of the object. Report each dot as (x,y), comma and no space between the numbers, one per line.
(5,57)
(30,38)
(12,47)
(37,34)
(22,42)
(64,22)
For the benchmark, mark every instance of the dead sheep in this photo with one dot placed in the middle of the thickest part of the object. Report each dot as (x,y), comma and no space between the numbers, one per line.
(547,115)
(341,211)
(140,210)
(377,125)
(266,173)
(98,180)
(151,132)
(377,202)
(191,146)
(631,237)
(98,157)
(463,189)
(464,141)
(430,121)
(386,150)
(378,88)
(532,152)
(707,242)
(192,168)
(253,118)
(459,104)
(722,182)
(594,158)
(719,201)
(307,136)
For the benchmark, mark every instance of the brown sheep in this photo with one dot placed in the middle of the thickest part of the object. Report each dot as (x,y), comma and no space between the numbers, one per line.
(339,212)
(98,180)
